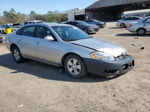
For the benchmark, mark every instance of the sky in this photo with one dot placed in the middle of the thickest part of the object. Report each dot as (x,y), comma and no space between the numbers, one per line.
(42,6)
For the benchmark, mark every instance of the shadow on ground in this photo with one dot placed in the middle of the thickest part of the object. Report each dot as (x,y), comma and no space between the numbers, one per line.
(132,35)
(116,28)
(44,71)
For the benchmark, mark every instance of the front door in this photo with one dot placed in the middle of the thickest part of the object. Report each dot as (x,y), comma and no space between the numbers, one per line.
(47,50)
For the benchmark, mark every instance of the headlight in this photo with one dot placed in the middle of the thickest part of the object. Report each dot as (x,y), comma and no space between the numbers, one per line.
(102,56)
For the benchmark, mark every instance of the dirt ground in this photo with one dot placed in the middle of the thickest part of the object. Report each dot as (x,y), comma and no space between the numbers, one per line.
(37,87)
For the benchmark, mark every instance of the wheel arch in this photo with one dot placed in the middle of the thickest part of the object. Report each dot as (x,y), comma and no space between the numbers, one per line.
(66,55)
(12,46)
(141,28)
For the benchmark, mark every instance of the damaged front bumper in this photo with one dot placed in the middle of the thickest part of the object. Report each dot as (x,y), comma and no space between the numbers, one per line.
(109,68)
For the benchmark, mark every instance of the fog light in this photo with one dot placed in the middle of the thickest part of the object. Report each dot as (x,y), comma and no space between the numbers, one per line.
(118,71)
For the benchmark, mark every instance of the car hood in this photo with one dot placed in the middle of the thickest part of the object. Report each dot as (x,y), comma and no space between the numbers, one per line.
(101,46)
(94,26)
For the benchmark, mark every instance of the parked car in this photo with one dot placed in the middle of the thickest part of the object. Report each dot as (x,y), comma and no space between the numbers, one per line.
(1,38)
(68,47)
(141,27)
(101,24)
(33,22)
(123,23)
(90,29)
(7,28)
(16,26)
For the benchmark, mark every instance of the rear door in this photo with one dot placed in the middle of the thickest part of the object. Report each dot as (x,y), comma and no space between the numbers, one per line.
(26,38)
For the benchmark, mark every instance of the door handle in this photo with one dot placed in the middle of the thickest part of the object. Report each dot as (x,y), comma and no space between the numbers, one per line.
(19,39)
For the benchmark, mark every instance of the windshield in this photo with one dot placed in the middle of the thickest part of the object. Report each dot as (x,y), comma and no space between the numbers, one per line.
(70,33)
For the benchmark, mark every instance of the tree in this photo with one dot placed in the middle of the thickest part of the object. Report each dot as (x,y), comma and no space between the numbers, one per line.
(33,15)
(16,17)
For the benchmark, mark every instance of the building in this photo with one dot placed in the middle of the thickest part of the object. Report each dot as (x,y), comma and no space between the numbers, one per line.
(110,10)
(141,13)
(76,14)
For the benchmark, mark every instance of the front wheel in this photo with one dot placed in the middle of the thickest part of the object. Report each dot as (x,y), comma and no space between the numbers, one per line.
(141,31)
(17,55)
(75,66)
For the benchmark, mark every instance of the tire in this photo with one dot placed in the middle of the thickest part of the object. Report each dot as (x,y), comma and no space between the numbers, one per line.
(86,31)
(75,66)
(101,26)
(17,55)
(122,25)
(141,32)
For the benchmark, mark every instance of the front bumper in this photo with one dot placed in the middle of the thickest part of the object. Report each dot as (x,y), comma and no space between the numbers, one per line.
(96,29)
(107,68)
(131,29)
(104,24)
(91,31)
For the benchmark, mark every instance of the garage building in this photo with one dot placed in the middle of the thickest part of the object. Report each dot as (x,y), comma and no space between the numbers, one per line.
(76,14)
(110,10)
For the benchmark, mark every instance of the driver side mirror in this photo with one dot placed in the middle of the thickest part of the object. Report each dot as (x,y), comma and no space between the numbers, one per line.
(49,38)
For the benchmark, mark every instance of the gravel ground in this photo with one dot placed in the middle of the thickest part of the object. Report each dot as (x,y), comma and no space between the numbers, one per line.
(37,87)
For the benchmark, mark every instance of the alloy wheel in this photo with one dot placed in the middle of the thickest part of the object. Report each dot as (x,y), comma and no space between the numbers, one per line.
(74,66)
(16,55)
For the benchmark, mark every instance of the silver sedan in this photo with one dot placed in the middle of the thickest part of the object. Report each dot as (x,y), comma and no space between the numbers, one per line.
(68,47)
(125,22)
(141,28)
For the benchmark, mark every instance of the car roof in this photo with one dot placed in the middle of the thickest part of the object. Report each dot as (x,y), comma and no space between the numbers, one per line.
(46,24)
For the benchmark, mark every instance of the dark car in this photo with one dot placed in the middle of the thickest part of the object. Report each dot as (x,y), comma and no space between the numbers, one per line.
(101,24)
(90,29)
(16,26)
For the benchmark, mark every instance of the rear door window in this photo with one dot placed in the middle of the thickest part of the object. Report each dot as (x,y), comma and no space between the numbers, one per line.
(127,19)
(69,23)
(135,18)
(74,23)
(132,18)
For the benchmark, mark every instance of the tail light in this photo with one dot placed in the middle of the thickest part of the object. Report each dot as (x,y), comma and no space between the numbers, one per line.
(128,26)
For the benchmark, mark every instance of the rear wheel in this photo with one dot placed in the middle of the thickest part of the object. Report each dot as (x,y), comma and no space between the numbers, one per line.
(74,66)
(122,25)
(141,31)
(17,55)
